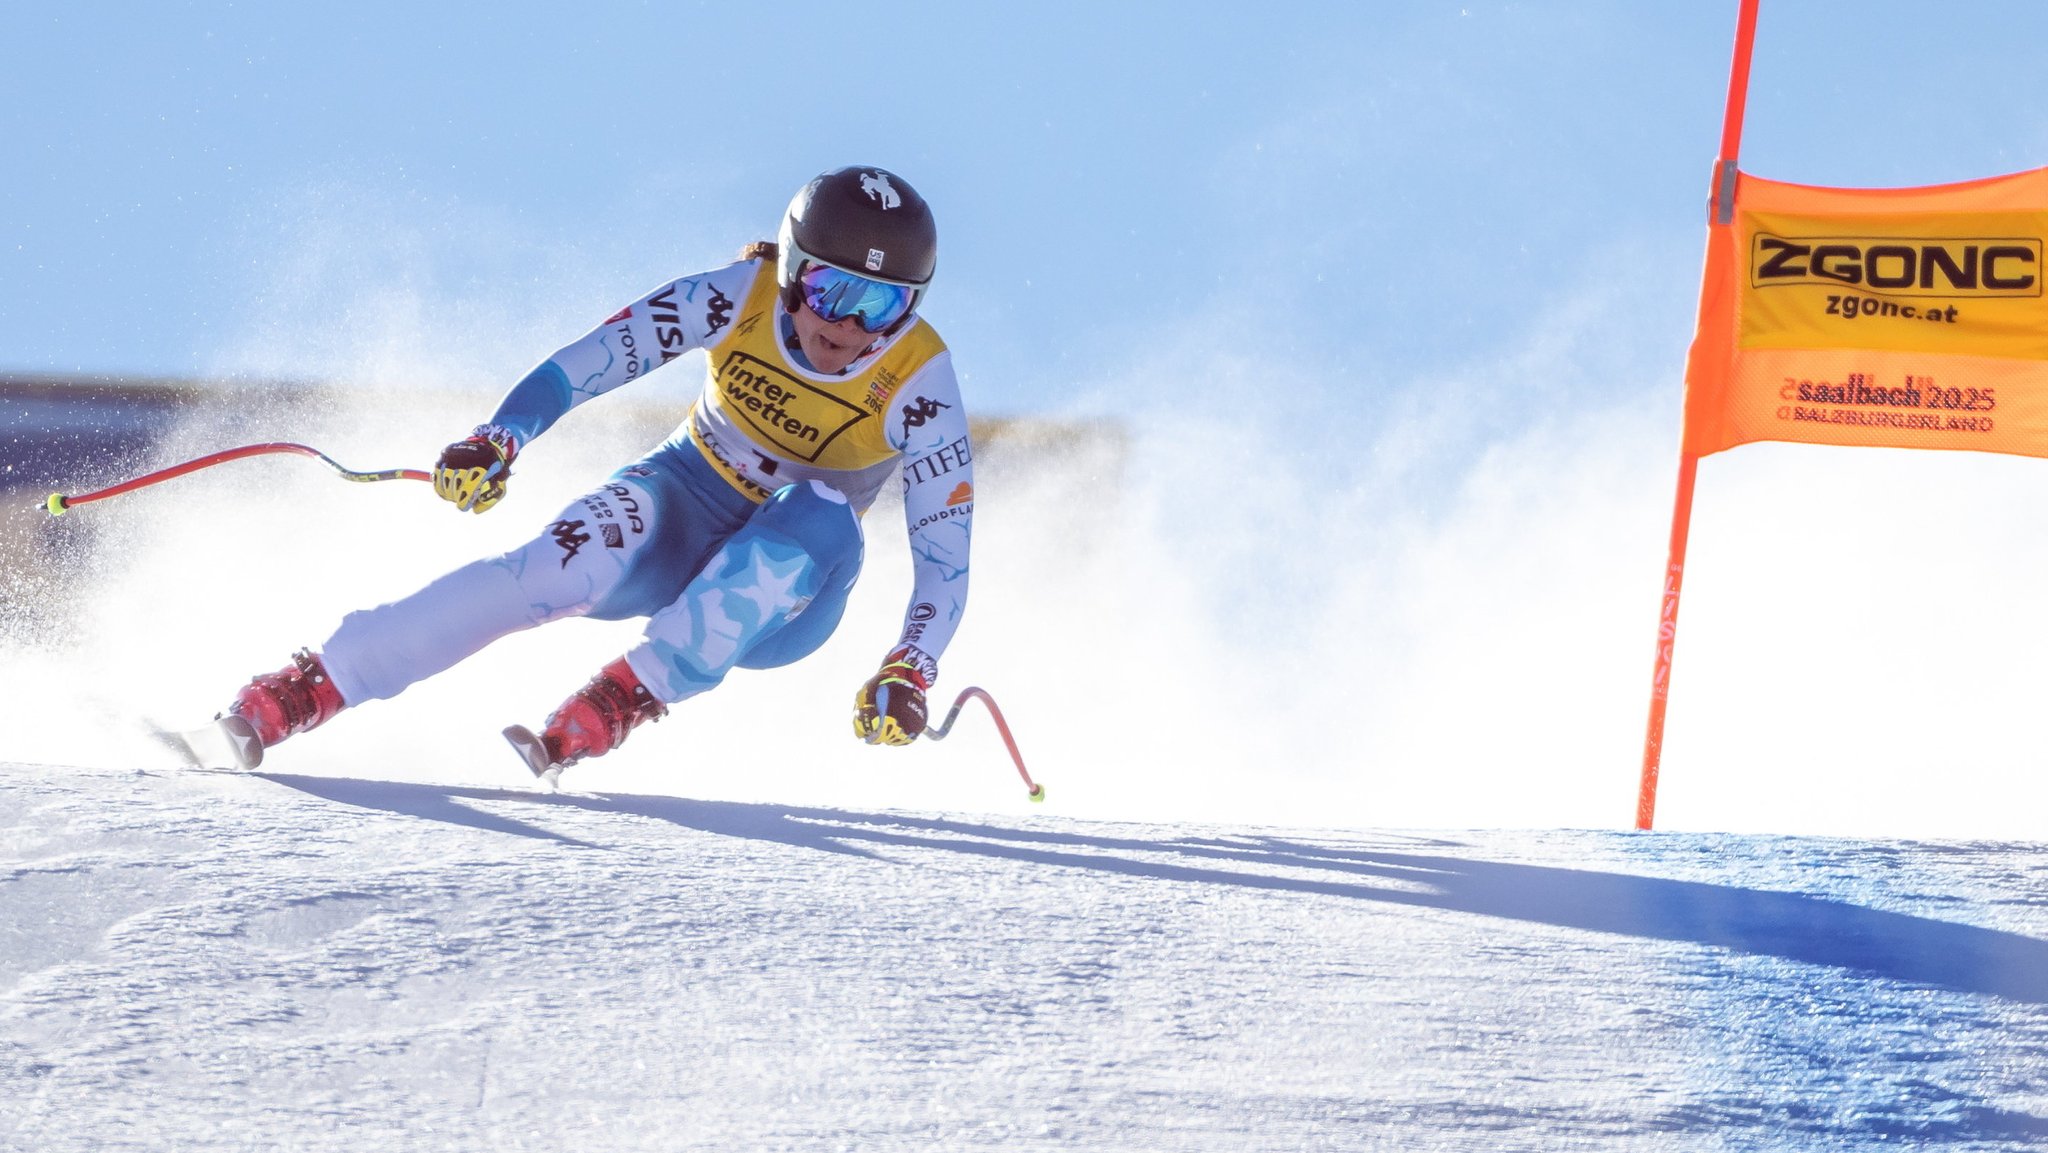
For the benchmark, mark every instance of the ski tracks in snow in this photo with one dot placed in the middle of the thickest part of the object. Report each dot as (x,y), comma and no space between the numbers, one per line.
(228,961)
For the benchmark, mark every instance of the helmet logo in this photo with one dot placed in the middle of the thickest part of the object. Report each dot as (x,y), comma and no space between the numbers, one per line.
(874,260)
(877,186)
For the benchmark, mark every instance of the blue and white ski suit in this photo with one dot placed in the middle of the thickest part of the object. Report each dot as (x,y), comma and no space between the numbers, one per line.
(739,537)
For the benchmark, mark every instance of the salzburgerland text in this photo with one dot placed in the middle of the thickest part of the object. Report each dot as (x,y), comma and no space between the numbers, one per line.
(1917,392)
(1848,402)
(1931,422)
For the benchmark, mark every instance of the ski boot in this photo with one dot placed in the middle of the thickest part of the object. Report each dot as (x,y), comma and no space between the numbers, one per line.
(592,722)
(275,706)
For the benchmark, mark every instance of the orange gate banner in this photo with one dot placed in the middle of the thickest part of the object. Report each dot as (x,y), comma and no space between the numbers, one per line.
(1898,318)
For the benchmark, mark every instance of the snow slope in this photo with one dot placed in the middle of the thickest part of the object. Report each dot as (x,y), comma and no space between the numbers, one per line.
(199,960)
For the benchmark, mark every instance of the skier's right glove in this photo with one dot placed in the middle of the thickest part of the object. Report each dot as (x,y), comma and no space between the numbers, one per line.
(890,709)
(472,472)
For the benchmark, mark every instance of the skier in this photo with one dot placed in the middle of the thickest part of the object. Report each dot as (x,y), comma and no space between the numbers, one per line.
(739,537)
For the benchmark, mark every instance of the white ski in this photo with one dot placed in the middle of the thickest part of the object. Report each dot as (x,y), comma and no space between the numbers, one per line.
(535,753)
(228,743)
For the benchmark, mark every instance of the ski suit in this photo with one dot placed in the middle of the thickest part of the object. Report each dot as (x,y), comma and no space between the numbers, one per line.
(739,537)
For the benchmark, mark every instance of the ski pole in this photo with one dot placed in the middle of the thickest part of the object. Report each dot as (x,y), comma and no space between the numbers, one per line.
(59,502)
(938,733)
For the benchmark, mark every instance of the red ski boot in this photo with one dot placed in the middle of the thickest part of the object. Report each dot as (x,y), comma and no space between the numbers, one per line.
(275,706)
(592,722)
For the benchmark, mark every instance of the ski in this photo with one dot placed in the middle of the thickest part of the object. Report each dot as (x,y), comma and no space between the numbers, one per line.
(228,743)
(535,753)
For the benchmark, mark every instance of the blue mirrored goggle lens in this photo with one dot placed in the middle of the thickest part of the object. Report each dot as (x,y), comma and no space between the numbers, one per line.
(836,295)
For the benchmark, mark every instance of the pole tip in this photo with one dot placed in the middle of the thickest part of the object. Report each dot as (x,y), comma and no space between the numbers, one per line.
(1038,794)
(56,504)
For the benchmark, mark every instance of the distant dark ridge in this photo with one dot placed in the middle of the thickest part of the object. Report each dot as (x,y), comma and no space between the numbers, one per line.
(62,432)
(56,430)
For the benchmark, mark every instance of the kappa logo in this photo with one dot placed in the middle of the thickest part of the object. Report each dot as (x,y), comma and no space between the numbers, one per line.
(570,535)
(923,410)
(878,188)
(717,312)
(961,495)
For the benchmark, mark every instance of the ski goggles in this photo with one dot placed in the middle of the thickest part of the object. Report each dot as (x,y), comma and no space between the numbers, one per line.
(836,294)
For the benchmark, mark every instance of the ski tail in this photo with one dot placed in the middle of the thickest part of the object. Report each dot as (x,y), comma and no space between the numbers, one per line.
(228,743)
(534,752)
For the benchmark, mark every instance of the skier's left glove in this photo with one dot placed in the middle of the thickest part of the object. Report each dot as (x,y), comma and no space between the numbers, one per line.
(472,472)
(890,709)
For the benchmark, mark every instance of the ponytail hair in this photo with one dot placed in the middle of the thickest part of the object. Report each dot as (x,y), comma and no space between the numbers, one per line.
(759,250)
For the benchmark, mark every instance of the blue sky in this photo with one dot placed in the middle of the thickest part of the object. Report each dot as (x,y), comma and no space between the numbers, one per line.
(1394,297)
(1385,187)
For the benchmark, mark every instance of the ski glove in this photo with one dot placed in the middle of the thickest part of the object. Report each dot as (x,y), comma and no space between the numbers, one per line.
(472,472)
(890,709)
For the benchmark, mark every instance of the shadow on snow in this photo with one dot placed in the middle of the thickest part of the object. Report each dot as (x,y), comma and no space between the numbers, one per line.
(1794,926)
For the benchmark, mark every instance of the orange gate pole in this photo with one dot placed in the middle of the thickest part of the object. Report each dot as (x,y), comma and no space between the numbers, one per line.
(1722,212)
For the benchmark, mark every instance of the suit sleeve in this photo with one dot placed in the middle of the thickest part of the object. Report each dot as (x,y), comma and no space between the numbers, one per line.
(928,424)
(675,318)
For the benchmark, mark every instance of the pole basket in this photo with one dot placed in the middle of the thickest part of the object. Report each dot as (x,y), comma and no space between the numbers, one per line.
(938,733)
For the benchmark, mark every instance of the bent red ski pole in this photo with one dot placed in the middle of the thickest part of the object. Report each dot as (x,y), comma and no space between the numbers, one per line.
(59,502)
(938,733)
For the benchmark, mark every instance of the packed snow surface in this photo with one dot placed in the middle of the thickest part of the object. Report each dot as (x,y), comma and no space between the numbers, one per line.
(208,960)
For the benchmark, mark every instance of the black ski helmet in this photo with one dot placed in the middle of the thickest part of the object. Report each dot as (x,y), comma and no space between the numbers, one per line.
(864,220)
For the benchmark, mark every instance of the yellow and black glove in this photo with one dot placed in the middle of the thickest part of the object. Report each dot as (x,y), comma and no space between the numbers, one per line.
(890,709)
(472,472)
